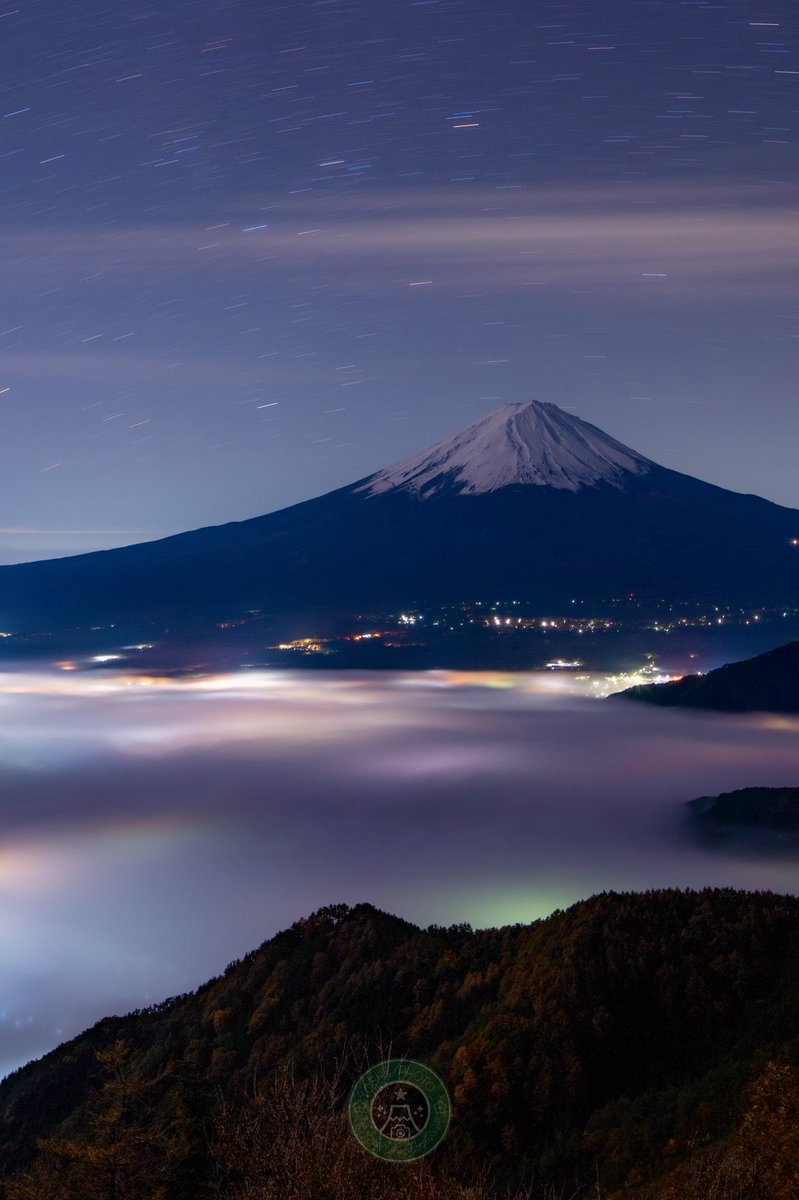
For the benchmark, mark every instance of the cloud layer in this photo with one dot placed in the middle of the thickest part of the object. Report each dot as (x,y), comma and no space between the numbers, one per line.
(151,834)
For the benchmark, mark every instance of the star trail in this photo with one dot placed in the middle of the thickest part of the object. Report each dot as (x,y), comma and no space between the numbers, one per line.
(252,252)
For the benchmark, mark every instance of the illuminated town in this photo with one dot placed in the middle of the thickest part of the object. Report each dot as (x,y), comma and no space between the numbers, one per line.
(621,636)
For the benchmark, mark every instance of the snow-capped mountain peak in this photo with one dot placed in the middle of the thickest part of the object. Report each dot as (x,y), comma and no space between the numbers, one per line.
(534,444)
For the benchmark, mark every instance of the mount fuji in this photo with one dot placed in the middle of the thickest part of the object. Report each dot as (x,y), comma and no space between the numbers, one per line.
(529,502)
(520,444)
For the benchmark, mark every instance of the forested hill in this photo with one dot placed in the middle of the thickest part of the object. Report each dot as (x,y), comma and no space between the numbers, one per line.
(767,683)
(618,1036)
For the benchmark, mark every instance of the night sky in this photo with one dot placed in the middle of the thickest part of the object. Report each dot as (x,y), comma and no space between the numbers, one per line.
(250,252)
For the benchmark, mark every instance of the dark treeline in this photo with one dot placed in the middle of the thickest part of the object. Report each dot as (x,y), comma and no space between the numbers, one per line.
(633,1045)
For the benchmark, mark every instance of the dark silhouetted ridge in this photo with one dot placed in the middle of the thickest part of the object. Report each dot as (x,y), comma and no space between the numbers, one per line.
(767,683)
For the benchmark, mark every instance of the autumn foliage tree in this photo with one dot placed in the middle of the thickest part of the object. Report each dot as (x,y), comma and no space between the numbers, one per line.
(112,1162)
(769,1135)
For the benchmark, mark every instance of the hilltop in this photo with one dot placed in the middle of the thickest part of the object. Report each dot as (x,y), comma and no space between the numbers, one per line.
(616,1037)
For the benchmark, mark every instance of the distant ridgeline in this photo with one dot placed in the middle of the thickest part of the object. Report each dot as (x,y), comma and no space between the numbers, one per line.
(767,683)
(752,807)
(628,1040)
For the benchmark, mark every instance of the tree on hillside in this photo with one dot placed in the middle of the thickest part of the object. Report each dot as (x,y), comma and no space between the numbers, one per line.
(769,1135)
(113,1161)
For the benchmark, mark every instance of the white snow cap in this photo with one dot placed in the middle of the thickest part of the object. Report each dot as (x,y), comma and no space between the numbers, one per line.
(535,444)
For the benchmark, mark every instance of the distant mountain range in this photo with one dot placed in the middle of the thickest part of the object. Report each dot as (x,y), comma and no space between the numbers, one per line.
(605,1045)
(749,808)
(530,502)
(767,683)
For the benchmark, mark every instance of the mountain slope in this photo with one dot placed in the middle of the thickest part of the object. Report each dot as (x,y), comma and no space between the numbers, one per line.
(531,502)
(767,683)
(596,1037)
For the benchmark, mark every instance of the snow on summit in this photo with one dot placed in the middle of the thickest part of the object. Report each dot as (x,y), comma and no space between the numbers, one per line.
(536,444)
